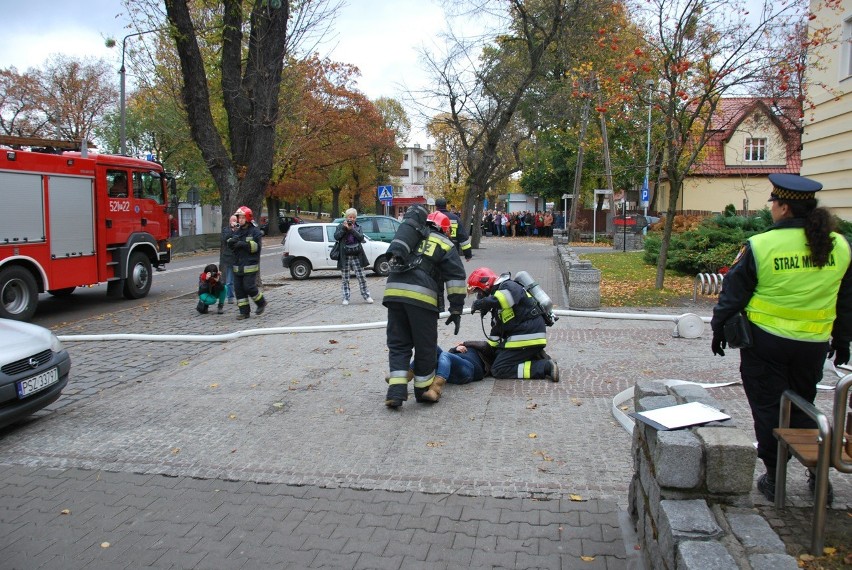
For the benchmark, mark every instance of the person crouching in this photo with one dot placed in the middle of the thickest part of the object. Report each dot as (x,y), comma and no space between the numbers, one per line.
(210,290)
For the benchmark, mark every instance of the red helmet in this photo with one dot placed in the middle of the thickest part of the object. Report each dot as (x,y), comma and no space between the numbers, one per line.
(245,211)
(482,279)
(440,221)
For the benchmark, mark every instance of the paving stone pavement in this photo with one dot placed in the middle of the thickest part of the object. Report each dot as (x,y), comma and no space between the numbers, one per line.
(275,450)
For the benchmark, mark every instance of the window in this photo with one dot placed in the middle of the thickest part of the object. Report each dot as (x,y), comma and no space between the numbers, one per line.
(117,183)
(846,49)
(148,186)
(313,233)
(755,150)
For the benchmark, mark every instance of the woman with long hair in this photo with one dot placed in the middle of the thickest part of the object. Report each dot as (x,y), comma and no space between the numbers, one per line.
(794,285)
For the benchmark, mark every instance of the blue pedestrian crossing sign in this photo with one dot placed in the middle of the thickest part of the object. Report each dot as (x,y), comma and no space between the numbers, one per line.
(385,193)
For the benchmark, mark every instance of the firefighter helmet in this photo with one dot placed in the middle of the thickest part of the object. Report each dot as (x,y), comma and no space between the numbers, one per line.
(482,278)
(245,211)
(440,221)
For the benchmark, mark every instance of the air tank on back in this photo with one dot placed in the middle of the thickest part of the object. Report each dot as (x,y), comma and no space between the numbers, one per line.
(538,294)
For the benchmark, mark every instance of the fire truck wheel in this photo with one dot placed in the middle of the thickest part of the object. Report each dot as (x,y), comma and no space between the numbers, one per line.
(18,293)
(64,292)
(138,281)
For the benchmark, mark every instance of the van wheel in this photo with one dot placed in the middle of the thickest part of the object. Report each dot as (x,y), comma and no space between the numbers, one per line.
(381,267)
(18,294)
(300,269)
(138,281)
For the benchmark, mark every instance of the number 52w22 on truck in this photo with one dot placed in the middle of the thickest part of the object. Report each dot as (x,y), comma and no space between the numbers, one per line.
(73,219)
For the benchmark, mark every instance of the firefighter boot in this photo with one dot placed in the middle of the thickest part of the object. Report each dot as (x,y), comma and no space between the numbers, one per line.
(552,373)
(261,306)
(201,307)
(397,394)
(433,393)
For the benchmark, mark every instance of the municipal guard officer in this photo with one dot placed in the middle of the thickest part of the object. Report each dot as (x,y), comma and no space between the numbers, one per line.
(518,331)
(414,296)
(457,231)
(794,284)
(245,242)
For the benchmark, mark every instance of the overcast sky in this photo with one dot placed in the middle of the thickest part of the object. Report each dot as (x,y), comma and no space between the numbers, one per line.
(380,37)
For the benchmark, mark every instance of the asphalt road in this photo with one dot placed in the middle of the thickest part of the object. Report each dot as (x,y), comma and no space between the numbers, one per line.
(177,280)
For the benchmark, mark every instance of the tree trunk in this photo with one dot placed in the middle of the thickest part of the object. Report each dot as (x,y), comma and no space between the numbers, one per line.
(578,172)
(675,184)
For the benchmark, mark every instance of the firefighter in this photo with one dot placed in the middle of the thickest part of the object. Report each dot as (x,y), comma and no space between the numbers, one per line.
(517,326)
(245,243)
(794,284)
(457,232)
(414,296)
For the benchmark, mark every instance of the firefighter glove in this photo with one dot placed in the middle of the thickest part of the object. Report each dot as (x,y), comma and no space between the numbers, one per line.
(840,351)
(457,320)
(232,242)
(719,343)
(483,305)
(241,245)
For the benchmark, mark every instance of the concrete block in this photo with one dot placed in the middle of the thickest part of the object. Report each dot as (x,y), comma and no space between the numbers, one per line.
(682,521)
(654,403)
(688,392)
(584,289)
(693,555)
(644,388)
(729,460)
(677,459)
(772,562)
(755,534)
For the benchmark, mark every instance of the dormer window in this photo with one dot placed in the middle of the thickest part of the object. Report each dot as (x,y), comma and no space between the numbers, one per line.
(755,150)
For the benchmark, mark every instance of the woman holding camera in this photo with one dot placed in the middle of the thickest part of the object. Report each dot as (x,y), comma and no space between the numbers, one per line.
(352,257)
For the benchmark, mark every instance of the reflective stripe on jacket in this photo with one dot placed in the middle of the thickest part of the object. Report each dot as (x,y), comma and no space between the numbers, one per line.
(794,298)
(514,324)
(424,285)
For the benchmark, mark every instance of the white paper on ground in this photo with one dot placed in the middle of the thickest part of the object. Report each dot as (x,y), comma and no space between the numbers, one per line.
(679,416)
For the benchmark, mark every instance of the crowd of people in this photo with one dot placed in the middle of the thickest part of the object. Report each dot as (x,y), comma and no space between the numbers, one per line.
(522,224)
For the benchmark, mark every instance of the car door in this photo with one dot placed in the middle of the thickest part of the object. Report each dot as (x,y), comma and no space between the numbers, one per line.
(329,243)
(385,229)
(312,243)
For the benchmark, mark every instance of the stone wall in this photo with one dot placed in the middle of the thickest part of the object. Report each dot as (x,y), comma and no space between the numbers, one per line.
(582,281)
(690,493)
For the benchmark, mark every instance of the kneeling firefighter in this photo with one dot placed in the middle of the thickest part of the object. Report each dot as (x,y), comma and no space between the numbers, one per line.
(414,296)
(518,323)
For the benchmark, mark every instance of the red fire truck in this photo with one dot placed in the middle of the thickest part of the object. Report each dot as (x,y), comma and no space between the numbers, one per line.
(71,219)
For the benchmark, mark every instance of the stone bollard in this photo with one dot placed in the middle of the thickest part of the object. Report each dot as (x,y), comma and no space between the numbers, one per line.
(584,286)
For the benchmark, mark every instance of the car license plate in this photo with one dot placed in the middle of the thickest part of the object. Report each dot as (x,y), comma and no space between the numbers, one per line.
(37,383)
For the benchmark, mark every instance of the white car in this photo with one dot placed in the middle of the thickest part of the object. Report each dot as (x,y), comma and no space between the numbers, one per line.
(34,369)
(307,246)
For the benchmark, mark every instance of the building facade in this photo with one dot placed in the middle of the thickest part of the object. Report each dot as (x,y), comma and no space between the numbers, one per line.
(827,138)
(409,182)
(751,138)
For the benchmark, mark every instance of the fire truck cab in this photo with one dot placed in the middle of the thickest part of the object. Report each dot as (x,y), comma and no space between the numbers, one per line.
(75,219)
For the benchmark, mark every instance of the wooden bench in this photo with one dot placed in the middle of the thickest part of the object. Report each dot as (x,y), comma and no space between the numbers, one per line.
(817,449)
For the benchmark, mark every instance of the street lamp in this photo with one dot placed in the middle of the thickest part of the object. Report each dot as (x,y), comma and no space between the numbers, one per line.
(121,72)
(645,189)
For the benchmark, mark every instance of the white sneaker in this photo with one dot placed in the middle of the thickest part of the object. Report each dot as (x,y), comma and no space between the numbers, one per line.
(345,301)
(369,300)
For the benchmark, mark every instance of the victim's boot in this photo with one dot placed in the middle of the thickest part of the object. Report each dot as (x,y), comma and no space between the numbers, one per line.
(433,392)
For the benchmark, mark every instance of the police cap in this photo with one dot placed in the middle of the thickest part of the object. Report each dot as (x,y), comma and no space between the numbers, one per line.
(792,187)
(440,203)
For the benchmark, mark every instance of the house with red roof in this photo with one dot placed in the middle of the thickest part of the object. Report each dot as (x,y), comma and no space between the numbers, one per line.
(751,138)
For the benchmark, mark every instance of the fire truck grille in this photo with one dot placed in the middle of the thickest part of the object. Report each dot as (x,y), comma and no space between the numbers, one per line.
(25,364)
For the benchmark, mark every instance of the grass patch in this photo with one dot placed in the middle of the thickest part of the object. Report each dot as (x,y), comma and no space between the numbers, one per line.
(626,281)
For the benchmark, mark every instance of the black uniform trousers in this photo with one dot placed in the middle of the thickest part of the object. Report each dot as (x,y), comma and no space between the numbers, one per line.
(245,287)
(412,328)
(772,365)
(507,363)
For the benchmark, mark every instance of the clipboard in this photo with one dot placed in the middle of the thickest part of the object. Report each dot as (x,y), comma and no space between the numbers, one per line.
(682,415)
